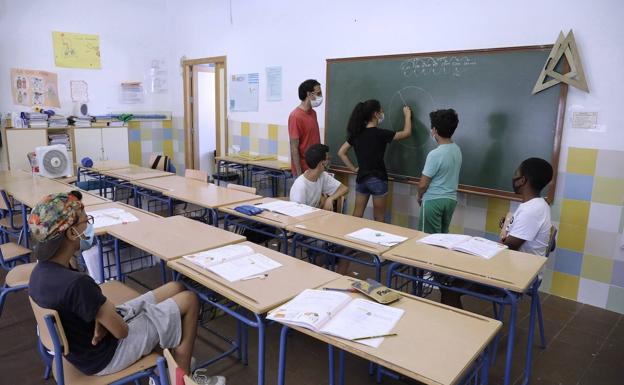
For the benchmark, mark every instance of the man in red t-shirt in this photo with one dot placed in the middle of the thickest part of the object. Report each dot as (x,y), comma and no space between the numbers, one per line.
(303,128)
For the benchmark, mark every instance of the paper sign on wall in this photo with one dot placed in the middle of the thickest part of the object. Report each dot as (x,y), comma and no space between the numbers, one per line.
(244,89)
(79,91)
(274,83)
(34,88)
(76,50)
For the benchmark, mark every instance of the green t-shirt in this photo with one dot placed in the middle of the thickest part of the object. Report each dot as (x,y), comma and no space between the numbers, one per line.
(442,166)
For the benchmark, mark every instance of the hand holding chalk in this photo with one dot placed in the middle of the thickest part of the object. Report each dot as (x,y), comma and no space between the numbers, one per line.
(407,112)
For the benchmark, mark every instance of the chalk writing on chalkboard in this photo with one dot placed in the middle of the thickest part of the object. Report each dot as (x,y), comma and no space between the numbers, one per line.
(437,66)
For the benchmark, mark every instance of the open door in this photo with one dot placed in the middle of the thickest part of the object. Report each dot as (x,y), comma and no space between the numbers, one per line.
(204,111)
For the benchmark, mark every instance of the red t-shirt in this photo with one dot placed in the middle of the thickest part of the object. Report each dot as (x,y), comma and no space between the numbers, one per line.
(303,125)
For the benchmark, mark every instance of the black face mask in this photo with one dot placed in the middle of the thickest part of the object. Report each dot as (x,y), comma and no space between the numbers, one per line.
(516,189)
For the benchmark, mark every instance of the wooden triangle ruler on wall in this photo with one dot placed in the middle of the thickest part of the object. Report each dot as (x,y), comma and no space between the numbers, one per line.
(564,46)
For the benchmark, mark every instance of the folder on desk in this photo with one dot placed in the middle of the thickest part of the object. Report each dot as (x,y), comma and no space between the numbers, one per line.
(377,237)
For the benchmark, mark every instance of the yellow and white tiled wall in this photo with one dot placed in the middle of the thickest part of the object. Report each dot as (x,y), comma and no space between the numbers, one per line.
(259,138)
(157,136)
(588,264)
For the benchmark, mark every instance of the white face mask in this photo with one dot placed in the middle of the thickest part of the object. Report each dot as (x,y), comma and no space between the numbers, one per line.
(381,118)
(316,102)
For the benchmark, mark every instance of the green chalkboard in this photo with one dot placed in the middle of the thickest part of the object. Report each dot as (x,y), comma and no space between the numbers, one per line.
(501,123)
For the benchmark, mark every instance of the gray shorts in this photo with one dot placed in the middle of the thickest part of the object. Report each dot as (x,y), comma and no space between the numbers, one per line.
(149,324)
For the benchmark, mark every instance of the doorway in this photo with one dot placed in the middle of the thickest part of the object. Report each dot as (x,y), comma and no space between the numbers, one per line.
(204,112)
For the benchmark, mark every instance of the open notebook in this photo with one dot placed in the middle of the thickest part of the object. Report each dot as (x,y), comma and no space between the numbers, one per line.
(233,262)
(465,243)
(377,237)
(110,217)
(291,209)
(338,314)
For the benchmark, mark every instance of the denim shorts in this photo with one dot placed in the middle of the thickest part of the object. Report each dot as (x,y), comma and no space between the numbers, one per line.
(372,186)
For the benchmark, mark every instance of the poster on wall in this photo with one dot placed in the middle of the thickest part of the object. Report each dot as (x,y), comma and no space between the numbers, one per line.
(34,88)
(274,84)
(76,50)
(244,90)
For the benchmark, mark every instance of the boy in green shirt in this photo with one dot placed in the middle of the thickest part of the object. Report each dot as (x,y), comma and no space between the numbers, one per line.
(437,188)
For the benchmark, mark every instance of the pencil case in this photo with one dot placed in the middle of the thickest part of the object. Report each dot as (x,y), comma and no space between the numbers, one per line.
(248,210)
(376,291)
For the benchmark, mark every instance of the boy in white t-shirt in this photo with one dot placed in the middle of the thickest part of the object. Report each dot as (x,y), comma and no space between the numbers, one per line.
(529,228)
(315,187)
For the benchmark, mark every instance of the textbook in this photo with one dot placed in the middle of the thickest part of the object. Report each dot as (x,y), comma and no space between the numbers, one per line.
(376,237)
(110,217)
(478,246)
(234,262)
(291,209)
(338,314)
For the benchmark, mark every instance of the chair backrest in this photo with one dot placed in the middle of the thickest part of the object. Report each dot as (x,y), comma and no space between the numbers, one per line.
(50,328)
(552,241)
(176,374)
(4,202)
(233,186)
(159,162)
(199,175)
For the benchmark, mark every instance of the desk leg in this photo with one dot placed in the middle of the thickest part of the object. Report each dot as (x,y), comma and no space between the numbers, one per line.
(281,368)
(101,258)
(330,356)
(261,348)
(120,276)
(170,204)
(284,237)
(163,271)
(341,367)
(529,353)
(511,336)
(25,230)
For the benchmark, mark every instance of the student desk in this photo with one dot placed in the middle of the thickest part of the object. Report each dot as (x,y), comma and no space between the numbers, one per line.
(123,177)
(170,238)
(266,219)
(98,167)
(334,227)
(14,175)
(101,243)
(29,192)
(435,344)
(274,169)
(508,274)
(256,295)
(189,190)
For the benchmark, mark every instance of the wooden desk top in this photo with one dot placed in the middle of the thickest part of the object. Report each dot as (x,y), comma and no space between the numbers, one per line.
(269,218)
(261,295)
(273,164)
(30,191)
(135,173)
(106,165)
(334,227)
(196,192)
(508,269)
(144,216)
(233,159)
(436,344)
(13,175)
(173,237)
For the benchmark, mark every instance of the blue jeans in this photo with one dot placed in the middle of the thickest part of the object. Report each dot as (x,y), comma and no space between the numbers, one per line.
(372,186)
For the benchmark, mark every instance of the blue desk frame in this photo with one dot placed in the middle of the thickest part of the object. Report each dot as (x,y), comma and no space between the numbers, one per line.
(507,297)
(248,223)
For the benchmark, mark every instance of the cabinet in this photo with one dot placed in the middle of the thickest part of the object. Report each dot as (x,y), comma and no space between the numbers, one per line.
(21,141)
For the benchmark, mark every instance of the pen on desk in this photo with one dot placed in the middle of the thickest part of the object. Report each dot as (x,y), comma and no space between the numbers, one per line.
(371,337)
(260,276)
(339,289)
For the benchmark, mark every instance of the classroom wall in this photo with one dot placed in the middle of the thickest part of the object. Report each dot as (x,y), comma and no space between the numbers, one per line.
(299,36)
(131,34)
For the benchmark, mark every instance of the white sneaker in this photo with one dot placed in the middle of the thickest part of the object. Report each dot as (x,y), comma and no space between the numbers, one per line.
(201,379)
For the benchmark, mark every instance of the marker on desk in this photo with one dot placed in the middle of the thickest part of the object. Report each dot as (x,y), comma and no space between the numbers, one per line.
(339,289)
(259,276)
(371,337)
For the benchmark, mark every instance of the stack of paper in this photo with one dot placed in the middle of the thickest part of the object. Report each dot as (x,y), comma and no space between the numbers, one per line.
(59,139)
(291,209)
(80,121)
(234,262)
(57,121)
(35,119)
(377,237)
(110,217)
(339,315)
(465,243)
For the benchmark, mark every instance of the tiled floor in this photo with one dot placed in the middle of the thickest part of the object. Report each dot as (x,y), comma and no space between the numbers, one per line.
(585,346)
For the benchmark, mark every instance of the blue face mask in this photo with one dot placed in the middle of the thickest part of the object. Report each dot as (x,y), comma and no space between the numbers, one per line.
(89,235)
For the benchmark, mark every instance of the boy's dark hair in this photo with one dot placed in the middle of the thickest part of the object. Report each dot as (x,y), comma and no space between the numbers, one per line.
(537,172)
(444,121)
(307,86)
(315,154)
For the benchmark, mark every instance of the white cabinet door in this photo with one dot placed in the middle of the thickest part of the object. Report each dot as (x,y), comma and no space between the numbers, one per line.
(21,141)
(116,144)
(88,143)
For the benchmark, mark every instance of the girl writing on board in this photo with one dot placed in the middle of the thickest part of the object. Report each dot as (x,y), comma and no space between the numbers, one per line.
(369,143)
